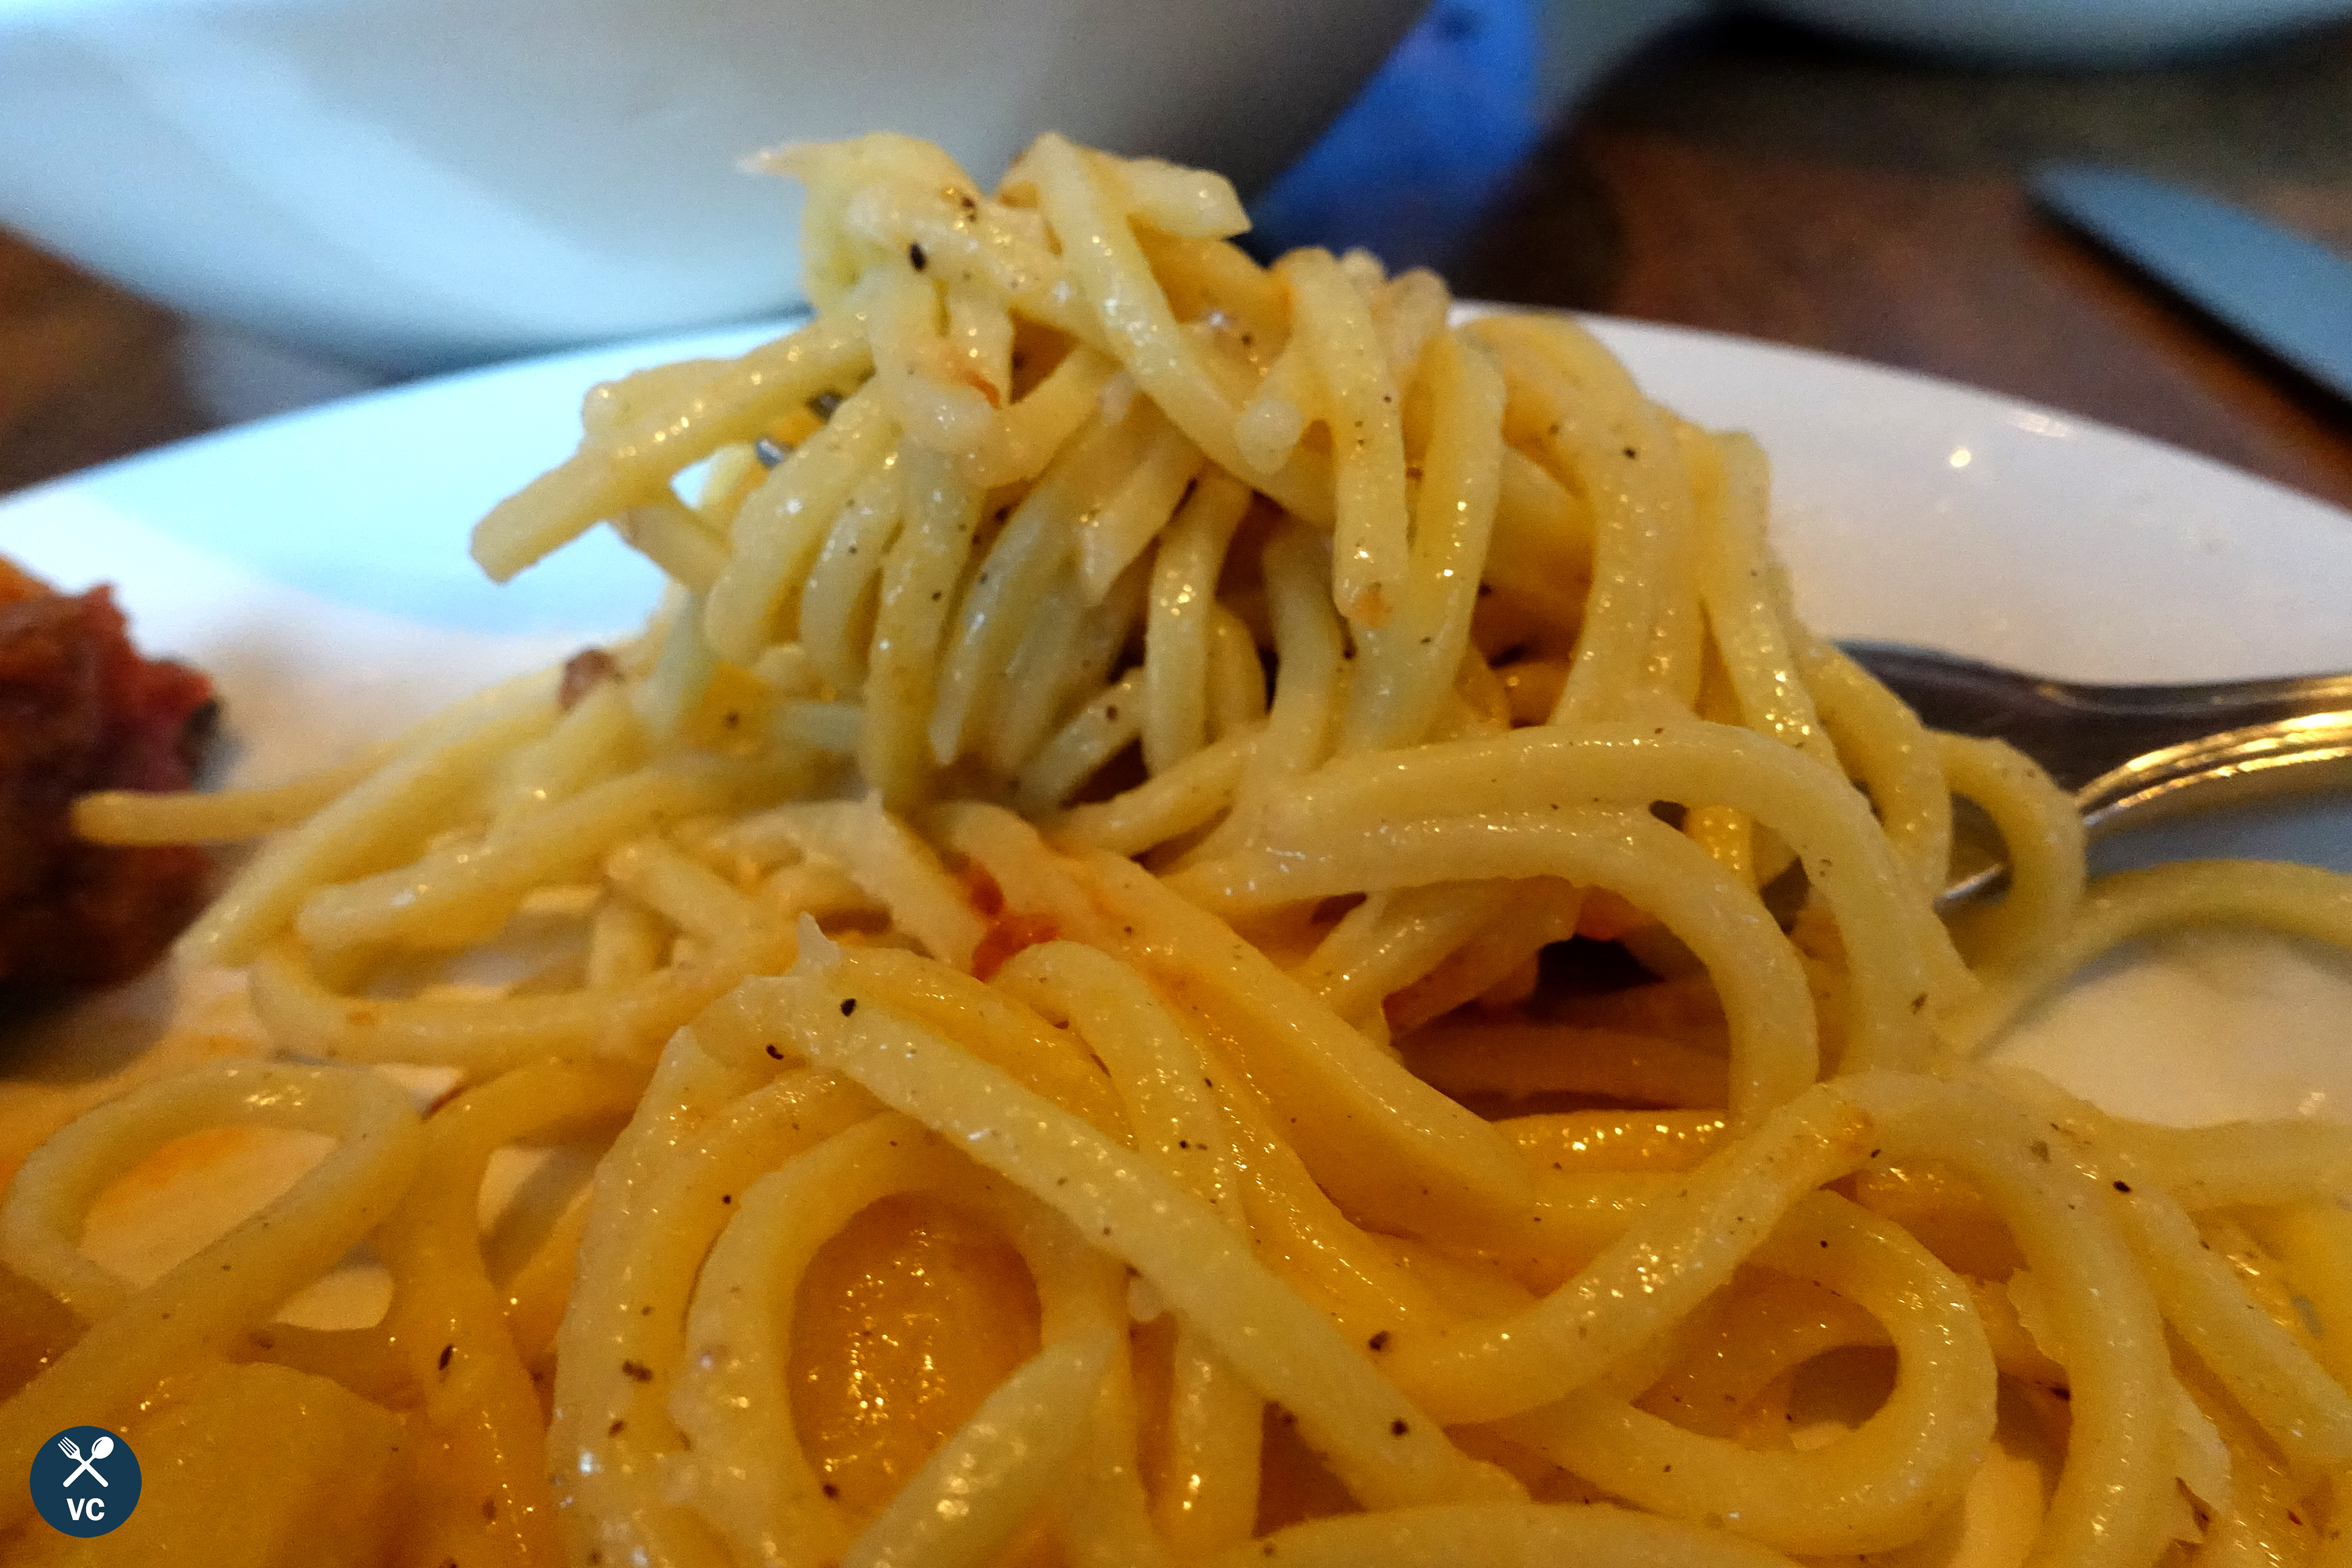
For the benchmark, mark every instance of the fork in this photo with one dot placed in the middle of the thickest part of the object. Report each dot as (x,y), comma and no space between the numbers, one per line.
(2132,754)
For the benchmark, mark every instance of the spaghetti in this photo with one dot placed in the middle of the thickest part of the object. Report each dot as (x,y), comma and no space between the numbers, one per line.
(1036,924)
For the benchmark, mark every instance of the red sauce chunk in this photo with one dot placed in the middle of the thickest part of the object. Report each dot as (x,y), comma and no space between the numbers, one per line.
(1009,931)
(81,711)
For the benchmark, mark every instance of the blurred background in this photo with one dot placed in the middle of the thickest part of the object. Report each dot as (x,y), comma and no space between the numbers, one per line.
(1850,175)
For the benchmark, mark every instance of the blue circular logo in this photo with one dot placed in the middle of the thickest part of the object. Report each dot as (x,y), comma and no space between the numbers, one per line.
(85,1480)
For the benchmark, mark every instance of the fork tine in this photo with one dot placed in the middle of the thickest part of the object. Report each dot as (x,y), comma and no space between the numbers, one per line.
(2133,752)
(2080,732)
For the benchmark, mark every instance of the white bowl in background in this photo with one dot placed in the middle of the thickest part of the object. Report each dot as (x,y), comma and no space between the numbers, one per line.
(412,184)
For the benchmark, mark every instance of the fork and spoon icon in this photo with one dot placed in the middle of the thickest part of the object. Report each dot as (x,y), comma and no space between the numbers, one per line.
(99,1448)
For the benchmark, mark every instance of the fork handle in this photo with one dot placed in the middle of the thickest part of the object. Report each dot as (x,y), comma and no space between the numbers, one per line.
(2082,733)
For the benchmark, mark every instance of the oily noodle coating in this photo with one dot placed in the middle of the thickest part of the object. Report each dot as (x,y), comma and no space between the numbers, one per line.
(1136,746)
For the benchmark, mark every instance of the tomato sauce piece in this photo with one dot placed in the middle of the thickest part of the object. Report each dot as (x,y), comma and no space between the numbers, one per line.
(79,711)
(1009,931)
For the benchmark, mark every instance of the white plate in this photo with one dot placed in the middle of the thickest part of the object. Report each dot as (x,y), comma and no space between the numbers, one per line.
(316,565)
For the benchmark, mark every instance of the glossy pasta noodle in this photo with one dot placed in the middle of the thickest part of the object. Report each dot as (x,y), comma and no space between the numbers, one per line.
(1060,932)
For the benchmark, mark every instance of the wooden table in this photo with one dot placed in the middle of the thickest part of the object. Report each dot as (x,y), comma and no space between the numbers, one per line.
(1753,179)
(1739,177)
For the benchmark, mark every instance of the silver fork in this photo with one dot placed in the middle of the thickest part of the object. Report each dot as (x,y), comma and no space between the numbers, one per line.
(2132,755)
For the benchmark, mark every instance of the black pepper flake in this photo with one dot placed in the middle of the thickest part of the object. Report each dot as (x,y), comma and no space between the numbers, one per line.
(637,1371)
(1110,714)
(1379,1342)
(1397,1428)
(775,1053)
(727,1197)
(917,260)
(831,1490)
(616,1428)
(2123,1186)
(446,1352)
(848,1005)
(1630,453)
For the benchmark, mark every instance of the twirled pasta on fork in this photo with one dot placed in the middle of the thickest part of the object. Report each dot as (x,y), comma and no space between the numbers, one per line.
(1222,919)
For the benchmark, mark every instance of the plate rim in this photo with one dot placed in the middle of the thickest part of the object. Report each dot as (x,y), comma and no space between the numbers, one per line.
(1605,325)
